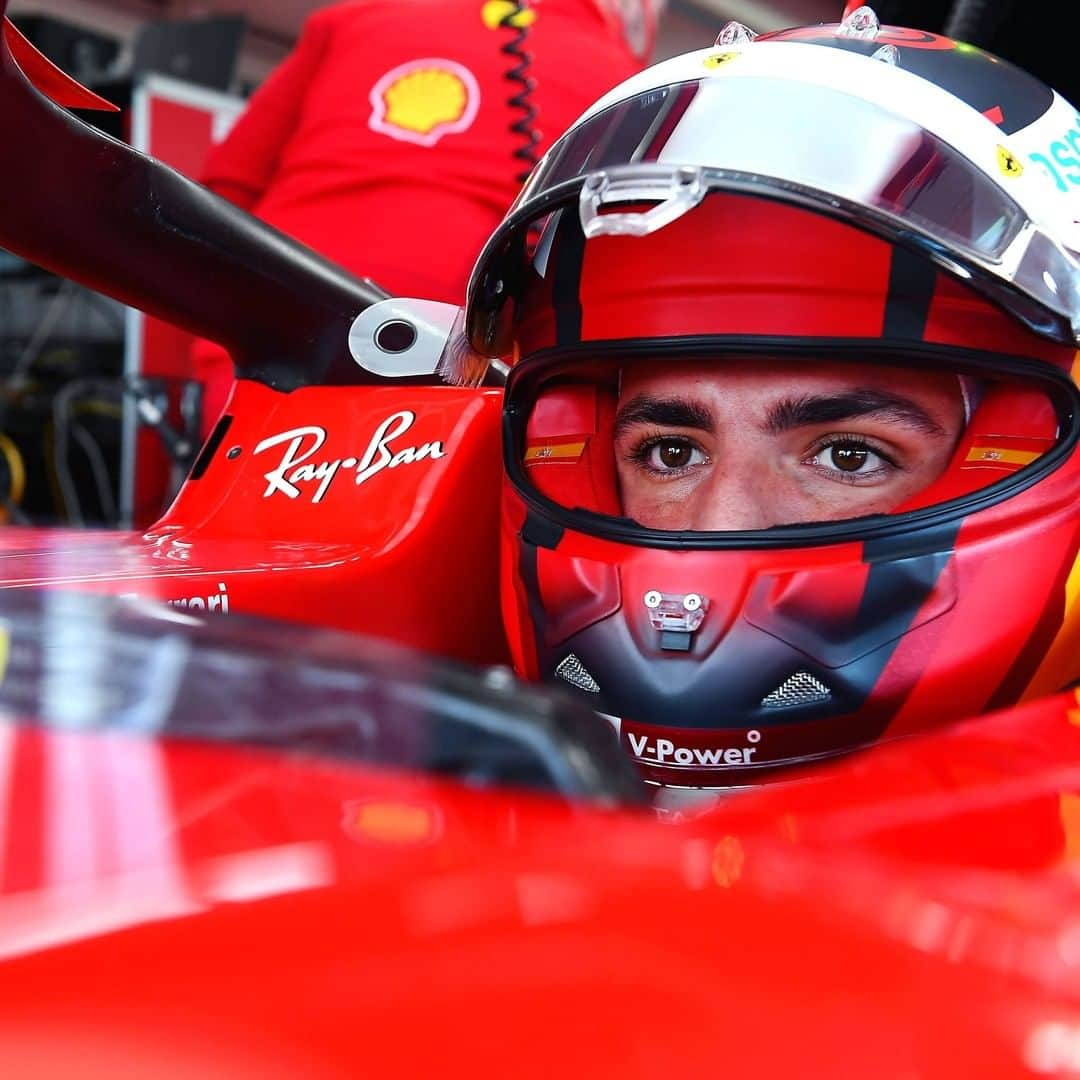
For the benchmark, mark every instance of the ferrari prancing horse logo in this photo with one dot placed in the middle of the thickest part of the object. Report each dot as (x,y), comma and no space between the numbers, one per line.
(1008,162)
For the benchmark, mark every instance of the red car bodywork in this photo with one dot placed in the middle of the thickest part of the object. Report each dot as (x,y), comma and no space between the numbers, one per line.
(185,911)
(376,542)
(180,909)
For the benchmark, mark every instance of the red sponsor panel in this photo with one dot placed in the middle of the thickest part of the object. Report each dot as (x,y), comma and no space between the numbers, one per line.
(689,287)
(374,512)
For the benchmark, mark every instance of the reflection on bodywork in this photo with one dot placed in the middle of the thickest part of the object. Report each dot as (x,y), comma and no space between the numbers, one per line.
(77,661)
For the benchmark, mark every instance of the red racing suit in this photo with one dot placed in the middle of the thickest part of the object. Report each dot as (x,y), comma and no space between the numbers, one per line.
(384,140)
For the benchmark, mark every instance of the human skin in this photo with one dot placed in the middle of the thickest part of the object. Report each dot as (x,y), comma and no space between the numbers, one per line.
(740,445)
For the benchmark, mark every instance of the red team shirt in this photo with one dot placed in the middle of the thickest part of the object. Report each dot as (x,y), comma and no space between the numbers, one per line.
(384,140)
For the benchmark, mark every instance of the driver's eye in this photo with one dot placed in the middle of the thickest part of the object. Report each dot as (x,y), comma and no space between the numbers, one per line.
(849,458)
(671,454)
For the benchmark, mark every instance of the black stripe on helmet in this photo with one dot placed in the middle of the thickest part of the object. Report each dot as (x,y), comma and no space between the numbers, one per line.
(912,281)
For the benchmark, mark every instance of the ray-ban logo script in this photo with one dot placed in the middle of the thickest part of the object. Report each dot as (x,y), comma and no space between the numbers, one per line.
(296,468)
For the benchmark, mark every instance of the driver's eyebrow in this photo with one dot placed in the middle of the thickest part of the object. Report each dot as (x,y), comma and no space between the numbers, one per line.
(847,405)
(664,412)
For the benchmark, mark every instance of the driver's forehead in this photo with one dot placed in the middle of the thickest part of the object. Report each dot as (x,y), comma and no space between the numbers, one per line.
(750,383)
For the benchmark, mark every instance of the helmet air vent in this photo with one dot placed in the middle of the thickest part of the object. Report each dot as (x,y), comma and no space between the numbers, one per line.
(860,23)
(800,689)
(676,616)
(735,33)
(575,673)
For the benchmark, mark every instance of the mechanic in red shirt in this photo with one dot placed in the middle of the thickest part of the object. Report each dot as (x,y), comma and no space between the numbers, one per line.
(385,141)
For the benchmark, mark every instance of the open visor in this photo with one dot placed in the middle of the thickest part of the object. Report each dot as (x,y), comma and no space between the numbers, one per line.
(638,165)
(713,450)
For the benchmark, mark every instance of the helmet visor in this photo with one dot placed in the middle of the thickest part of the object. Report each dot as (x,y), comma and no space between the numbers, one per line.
(751,134)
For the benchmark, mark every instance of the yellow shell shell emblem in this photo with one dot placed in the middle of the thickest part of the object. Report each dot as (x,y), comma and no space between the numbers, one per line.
(423,100)
(1008,162)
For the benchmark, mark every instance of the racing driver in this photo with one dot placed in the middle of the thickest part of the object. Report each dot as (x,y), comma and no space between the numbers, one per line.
(790,429)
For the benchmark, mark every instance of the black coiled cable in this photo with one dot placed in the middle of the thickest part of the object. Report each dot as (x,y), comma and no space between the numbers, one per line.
(523,127)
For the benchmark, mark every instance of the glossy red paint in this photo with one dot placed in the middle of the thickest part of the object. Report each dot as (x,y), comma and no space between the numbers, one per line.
(369,509)
(197,911)
(997,792)
(183,910)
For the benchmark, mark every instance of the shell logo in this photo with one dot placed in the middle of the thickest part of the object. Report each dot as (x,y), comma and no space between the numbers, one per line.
(423,100)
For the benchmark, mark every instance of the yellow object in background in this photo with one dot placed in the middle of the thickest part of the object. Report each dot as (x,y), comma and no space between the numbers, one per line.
(16,470)
(494,11)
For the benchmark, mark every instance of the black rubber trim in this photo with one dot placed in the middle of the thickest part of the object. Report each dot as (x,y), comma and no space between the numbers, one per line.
(926,542)
(541,532)
(899,529)
(206,455)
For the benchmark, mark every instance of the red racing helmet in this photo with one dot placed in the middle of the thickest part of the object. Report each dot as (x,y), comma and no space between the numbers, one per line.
(740,259)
